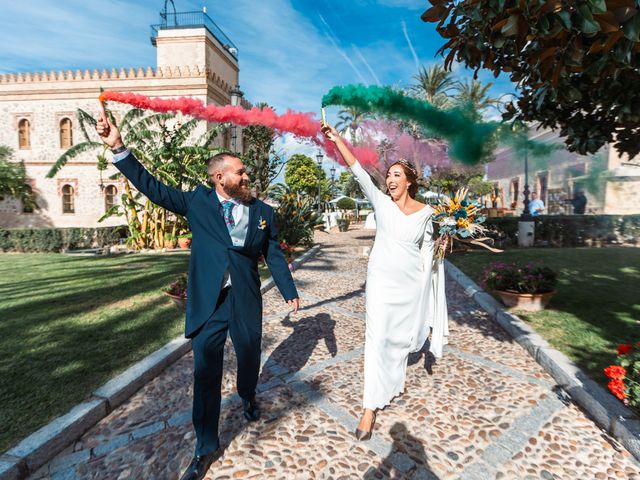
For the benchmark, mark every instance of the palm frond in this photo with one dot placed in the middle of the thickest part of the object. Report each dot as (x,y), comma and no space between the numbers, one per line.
(72,153)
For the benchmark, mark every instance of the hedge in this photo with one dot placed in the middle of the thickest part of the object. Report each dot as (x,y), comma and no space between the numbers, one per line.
(569,230)
(59,239)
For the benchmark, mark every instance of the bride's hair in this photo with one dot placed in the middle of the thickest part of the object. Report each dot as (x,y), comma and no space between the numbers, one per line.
(411,174)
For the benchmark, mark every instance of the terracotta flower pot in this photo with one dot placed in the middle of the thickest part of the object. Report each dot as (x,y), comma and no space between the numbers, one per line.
(184,243)
(529,302)
(178,301)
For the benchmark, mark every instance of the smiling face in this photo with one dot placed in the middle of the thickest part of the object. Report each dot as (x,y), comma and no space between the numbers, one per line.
(230,176)
(397,182)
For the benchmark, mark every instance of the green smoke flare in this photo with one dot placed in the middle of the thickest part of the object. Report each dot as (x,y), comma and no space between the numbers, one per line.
(467,139)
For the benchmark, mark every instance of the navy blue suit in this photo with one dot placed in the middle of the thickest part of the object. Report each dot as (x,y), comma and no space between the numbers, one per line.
(210,310)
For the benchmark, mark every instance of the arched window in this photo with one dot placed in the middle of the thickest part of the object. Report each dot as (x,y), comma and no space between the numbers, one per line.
(24,134)
(67,199)
(110,197)
(66,134)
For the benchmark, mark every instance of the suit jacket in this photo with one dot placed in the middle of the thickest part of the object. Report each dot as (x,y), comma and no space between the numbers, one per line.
(212,252)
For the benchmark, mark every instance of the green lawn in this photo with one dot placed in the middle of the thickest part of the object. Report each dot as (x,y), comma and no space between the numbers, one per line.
(597,305)
(69,324)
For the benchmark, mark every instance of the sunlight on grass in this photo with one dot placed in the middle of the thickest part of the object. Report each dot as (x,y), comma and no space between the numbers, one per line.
(597,303)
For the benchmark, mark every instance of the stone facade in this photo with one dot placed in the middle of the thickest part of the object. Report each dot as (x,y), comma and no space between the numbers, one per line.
(611,183)
(35,110)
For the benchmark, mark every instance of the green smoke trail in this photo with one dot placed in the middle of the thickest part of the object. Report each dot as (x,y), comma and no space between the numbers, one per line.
(467,139)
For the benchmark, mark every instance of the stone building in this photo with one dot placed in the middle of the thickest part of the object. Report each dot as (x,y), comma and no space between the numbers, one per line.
(38,117)
(610,182)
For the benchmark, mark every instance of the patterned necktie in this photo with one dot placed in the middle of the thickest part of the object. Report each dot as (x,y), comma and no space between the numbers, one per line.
(227,212)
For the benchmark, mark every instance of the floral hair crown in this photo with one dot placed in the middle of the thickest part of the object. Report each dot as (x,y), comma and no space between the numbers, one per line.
(407,164)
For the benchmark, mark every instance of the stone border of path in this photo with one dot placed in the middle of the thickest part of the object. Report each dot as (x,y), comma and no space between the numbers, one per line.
(611,415)
(44,444)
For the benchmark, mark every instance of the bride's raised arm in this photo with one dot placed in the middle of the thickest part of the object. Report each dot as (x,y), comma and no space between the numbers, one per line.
(364,179)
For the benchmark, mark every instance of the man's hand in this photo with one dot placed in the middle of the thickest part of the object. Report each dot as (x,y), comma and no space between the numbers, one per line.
(109,134)
(295,303)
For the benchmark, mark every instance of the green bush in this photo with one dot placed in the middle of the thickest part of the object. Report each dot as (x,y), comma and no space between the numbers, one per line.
(346,203)
(569,230)
(58,239)
(343,224)
(296,217)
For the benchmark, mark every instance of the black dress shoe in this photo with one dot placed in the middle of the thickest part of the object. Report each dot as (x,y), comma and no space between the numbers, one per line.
(199,467)
(250,409)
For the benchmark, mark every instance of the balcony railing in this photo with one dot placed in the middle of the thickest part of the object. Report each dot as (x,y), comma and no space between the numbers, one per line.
(193,20)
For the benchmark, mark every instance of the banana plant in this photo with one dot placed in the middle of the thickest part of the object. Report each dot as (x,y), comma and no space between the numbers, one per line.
(164,145)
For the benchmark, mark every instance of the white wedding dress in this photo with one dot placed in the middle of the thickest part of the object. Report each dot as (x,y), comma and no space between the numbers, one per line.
(405,295)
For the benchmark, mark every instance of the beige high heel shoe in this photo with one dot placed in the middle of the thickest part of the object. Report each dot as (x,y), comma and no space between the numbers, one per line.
(363,436)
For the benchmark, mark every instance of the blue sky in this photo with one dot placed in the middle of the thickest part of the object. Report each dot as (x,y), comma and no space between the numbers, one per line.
(291,51)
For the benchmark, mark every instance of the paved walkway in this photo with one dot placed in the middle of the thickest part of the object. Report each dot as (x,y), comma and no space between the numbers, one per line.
(485,410)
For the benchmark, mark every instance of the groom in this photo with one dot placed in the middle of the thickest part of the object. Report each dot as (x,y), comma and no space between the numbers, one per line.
(231,230)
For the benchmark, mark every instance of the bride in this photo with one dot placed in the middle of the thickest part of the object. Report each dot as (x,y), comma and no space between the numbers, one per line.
(405,296)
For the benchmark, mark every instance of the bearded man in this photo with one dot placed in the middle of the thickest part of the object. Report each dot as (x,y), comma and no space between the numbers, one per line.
(231,230)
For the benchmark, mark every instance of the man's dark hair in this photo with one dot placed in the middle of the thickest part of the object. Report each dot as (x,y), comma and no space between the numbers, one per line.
(215,163)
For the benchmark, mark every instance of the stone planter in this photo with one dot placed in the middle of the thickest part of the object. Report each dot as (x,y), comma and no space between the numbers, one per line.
(178,301)
(529,302)
(184,243)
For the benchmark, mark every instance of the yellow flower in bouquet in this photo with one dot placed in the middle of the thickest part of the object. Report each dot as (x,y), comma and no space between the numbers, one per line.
(458,219)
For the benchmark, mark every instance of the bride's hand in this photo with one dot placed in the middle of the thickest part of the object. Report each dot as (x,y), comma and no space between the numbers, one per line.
(330,132)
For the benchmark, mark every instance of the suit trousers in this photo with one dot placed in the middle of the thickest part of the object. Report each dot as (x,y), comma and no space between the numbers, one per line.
(208,357)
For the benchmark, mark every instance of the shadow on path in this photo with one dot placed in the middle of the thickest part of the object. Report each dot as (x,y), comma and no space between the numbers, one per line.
(406,460)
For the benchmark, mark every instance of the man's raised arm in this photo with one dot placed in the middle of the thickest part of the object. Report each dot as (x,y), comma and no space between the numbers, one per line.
(167,197)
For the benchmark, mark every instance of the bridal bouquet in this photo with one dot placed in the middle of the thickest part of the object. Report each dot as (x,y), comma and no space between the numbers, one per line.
(459,219)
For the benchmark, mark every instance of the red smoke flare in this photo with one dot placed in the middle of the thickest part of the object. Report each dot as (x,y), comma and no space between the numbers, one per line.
(302,125)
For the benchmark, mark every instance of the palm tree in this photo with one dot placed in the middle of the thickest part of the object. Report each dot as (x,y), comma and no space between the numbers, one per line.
(433,85)
(350,119)
(161,146)
(474,95)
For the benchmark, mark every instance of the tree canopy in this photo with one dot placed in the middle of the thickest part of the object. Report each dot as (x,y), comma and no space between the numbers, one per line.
(13,180)
(576,63)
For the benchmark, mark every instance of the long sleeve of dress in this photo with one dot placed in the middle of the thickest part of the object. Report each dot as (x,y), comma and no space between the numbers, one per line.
(437,314)
(368,187)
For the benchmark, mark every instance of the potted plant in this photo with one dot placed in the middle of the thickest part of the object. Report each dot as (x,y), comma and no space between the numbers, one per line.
(170,241)
(343,224)
(177,292)
(623,375)
(184,240)
(528,287)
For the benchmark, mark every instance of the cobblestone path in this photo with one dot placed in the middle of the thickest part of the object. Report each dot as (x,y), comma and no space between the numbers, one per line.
(485,410)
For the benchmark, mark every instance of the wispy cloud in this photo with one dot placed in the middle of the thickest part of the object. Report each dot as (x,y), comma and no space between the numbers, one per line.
(413,50)
(364,60)
(334,41)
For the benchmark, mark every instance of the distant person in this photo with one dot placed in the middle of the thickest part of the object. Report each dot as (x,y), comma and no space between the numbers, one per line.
(536,206)
(579,202)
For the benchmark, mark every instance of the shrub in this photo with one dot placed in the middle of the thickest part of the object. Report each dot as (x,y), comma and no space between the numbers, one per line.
(510,277)
(179,287)
(569,230)
(346,203)
(343,224)
(296,217)
(58,239)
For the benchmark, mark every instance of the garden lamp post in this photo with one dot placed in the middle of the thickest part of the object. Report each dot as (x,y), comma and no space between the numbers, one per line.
(319,157)
(236,98)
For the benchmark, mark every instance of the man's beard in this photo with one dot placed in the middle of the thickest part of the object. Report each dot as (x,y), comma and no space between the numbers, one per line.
(240,192)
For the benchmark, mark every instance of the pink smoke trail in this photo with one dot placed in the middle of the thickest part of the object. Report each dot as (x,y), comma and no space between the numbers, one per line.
(302,125)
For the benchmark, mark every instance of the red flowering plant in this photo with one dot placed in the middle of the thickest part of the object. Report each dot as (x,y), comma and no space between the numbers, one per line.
(510,277)
(179,287)
(624,378)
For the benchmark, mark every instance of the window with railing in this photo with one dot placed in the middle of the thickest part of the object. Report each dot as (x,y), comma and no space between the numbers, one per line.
(66,133)
(24,134)
(68,205)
